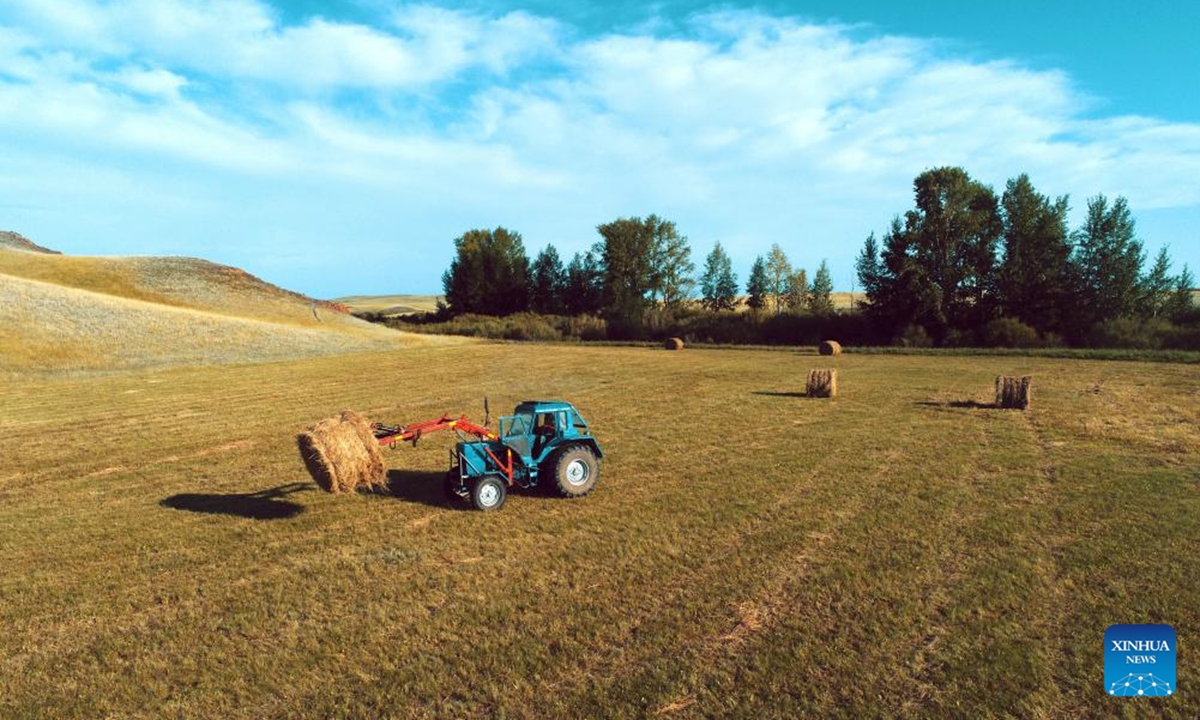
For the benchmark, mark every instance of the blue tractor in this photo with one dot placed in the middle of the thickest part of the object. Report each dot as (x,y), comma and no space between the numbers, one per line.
(541,442)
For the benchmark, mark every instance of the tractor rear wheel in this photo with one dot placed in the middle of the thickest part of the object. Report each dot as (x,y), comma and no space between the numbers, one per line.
(488,493)
(576,471)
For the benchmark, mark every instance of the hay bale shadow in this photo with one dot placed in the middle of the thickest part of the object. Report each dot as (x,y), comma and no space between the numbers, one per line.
(959,404)
(777,393)
(262,505)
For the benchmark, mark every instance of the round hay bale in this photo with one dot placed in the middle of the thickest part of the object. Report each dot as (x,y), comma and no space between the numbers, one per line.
(673,344)
(821,384)
(1014,393)
(830,347)
(342,454)
(376,475)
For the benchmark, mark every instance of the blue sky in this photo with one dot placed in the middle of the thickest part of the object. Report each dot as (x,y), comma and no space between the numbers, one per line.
(339,147)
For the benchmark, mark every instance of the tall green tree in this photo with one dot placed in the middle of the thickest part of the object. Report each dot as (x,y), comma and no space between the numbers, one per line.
(584,293)
(1034,278)
(899,292)
(1107,264)
(1181,301)
(869,268)
(955,230)
(756,285)
(820,299)
(798,289)
(778,274)
(718,284)
(937,268)
(489,273)
(1156,287)
(673,266)
(627,254)
(548,284)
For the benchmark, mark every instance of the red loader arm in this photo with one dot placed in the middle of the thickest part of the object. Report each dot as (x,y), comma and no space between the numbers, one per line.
(391,434)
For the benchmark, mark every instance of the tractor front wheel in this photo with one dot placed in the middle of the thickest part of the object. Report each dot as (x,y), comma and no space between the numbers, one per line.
(576,471)
(488,493)
(452,486)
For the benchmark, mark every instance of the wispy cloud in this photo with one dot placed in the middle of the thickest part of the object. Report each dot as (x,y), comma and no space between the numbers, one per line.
(742,126)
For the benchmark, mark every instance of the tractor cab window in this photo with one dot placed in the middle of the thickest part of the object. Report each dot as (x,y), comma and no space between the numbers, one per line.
(515,425)
(546,424)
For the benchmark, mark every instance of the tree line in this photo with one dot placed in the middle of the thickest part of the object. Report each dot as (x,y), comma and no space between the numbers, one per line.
(965,263)
(638,265)
(964,266)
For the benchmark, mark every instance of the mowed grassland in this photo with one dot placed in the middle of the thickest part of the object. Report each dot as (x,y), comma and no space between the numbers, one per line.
(897,552)
(391,304)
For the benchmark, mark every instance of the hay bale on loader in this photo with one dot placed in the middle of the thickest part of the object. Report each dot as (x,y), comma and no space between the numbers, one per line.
(821,384)
(830,347)
(342,454)
(1014,393)
(673,344)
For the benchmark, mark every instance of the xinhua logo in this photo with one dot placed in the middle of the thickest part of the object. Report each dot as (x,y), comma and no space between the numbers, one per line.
(1139,660)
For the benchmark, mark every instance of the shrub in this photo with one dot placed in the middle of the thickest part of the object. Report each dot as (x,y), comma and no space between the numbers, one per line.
(1182,338)
(528,326)
(584,327)
(1131,332)
(691,324)
(1053,340)
(953,338)
(1009,332)
(915,336)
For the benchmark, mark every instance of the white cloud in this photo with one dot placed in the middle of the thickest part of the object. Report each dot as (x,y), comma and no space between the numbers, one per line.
(743,127)
(245,40)
(449,41)
(158,82)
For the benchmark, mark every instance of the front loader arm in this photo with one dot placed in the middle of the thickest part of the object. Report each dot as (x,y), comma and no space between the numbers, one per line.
(391,434)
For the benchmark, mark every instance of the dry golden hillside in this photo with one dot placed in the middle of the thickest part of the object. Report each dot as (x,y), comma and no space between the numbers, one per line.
(16,241)
(61,312)
(177,281)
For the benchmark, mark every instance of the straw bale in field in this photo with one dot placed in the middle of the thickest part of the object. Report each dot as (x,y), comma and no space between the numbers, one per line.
(821,383)
(830,347)
(673,344)
(342,454)
(1014,392)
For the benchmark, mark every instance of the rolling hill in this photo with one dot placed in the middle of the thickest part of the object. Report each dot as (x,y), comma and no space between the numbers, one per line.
(60,312)
(16,241)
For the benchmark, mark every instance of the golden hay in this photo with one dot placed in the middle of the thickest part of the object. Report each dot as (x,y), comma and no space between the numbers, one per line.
(821,383)
(341,454)
(830,347)
(1014,392)
(673,344)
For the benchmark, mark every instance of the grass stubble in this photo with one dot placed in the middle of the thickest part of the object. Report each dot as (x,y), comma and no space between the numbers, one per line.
(901,550)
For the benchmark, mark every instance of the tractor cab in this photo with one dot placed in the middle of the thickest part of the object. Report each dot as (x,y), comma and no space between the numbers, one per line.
(541,439)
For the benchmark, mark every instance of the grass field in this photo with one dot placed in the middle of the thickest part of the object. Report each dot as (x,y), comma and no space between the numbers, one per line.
(903,551)
(390,304)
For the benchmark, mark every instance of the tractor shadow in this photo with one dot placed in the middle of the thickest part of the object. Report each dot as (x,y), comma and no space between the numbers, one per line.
(777,393)
(424,487)
(421,486)
(261,505)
